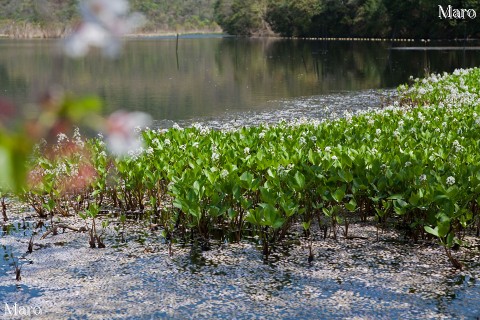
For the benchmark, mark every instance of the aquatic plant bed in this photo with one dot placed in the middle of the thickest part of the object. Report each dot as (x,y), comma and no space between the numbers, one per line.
(398,186)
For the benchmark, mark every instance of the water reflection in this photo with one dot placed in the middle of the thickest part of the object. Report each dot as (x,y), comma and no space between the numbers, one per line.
(207,77)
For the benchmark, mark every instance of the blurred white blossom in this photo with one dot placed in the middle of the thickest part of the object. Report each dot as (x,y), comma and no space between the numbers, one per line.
(103,24)
(121,135)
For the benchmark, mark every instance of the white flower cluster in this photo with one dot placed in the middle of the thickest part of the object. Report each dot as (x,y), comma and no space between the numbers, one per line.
(457,146)
(215,156)
(450,181)
(177,127)
(224,173)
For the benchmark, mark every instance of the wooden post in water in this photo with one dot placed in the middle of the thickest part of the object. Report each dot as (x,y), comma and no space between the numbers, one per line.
(176,52)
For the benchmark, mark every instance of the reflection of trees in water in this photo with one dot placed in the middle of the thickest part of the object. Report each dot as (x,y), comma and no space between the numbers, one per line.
(12,86)
(218,74)
(302,67)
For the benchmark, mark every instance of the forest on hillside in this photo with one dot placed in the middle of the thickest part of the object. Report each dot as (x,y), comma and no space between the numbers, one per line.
(347,18)
(297,18)
(56,16)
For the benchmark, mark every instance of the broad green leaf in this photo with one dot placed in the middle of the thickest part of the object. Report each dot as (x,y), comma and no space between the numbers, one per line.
(339,194)
(432,231)
(299,180)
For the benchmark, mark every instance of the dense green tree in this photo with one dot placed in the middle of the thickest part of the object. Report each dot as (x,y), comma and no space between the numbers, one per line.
(301,18)
(161,15)
(371,18)
(359,18)
(292,18)
(240,17)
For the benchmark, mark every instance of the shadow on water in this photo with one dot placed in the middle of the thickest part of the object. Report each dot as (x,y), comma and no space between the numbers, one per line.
(9,259)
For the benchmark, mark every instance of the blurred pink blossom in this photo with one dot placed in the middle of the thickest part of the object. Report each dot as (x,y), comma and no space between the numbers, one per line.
(123,134)
(103,24)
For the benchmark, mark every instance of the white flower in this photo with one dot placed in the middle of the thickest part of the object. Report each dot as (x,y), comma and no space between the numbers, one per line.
(423,177)
(121,137)
(61,137)
(328,149)
(183,147)
(215,156)
(168,142)
(177,127)
(224,173)
(149,151)
(334,157)
(246,150)
(408,164)
(313,138)
(103,24)
(204,131)
(195,144)
(450,181)
(302,140)
(378,132)
(77,138)
(457,146)
(261,135)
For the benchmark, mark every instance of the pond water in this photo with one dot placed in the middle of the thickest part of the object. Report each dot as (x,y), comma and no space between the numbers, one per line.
(214,76)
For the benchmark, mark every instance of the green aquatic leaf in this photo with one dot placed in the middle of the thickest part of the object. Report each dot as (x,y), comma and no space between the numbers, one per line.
(339,194)
(299,180)
(351,205)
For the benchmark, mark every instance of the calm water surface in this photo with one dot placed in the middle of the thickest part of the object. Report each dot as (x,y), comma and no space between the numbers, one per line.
(214,76)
